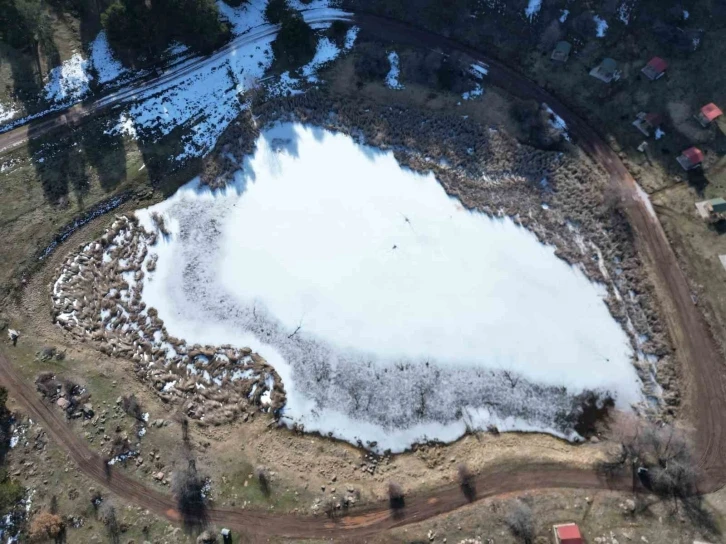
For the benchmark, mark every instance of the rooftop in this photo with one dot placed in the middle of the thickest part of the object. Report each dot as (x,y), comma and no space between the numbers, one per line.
(711,111)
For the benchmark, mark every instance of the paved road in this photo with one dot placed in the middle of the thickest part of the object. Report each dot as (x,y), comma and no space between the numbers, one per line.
(694,345)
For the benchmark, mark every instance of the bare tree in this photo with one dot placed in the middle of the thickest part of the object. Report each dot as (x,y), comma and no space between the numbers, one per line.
(396,498)
(467,482)
(132,407)
(188,487)
(658,456)
(107,515)
(521,523)
(263,479)
(96,499)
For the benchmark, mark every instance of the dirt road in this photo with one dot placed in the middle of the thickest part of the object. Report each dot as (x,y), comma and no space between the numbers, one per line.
(364,522)
(146,85)
(693,343)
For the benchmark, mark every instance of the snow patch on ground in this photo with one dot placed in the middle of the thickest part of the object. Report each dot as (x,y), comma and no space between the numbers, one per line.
(624,11)
(477,91)
(288,84)
(350,37)
(69,82)
(107,67)
(333,301)
(394,72)
(558,122)
(479,70)
(207,100)
(645,199)
(210,97)
(532,9)
(245,17)
(601,25)
(176,49)
(325,52)
(7,112)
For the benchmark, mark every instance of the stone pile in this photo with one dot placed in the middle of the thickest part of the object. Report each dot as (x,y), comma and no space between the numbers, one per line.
(98,299)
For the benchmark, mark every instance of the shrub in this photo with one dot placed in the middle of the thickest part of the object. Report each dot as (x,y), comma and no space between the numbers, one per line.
(132,407)
(467,482)
(371,62)
(338,32)
(107,515)
(277,10)
(520,523)
(187,485)
(295,42)
(45,525)
(139,30)
(396,498)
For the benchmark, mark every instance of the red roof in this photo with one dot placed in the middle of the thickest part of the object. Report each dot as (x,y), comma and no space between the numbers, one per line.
(658,64)
(711,111)
(569,534)
(694,155)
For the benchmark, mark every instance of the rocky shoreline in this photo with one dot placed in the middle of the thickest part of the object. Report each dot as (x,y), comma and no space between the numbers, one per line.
(558,195)
(97,298)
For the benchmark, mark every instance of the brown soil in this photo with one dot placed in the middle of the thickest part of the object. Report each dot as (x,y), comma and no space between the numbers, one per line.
(694,348)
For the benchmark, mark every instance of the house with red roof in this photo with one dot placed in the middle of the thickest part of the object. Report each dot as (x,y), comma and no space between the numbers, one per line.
(708,114)
(691,158)
(567,533)
(655,69)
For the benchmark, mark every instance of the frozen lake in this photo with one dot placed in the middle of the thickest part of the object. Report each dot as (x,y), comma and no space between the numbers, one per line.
(392,314)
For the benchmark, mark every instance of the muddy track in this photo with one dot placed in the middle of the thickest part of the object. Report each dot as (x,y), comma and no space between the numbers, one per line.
(693,343)
(364,522)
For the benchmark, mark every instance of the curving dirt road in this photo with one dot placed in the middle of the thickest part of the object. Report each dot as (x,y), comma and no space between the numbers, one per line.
(694,346)
(72,116)
(365,522)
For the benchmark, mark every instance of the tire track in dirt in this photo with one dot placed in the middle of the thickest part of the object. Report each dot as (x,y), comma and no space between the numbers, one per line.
(690,335)
(364,522)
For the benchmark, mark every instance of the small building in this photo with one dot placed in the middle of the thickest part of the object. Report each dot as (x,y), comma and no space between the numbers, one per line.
(655,69)
(708,114)
(717,205)
(567,533)
(691,158)
(562,52)
(606,71)
(647,122)
(226,536)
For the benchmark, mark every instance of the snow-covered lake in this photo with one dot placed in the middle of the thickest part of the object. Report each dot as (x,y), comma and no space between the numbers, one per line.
(392,314)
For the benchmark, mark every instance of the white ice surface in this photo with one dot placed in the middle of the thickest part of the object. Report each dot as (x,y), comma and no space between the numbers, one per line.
(396,290)
(392,77)
(69,81)
(107,67)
